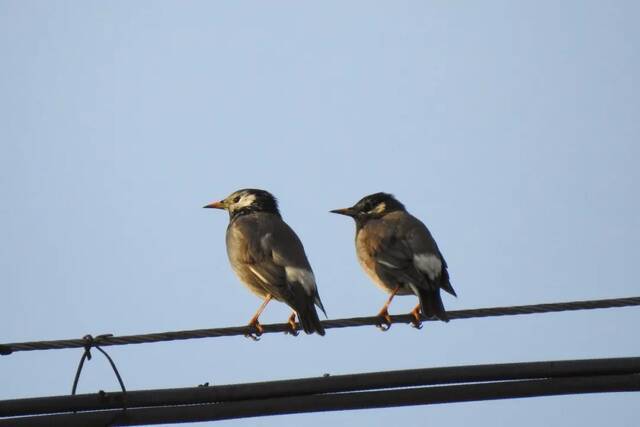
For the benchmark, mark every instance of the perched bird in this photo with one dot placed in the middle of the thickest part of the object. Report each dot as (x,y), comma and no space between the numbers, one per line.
(398,253)
(268,257)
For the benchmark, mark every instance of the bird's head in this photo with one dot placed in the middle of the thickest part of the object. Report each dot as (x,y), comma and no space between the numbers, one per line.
(372,206)
(246,201)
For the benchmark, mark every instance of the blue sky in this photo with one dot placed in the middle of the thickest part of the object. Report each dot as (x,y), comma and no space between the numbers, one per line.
(510,128)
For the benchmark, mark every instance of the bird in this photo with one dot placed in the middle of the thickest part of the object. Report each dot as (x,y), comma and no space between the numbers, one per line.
(269,259)
(398,253)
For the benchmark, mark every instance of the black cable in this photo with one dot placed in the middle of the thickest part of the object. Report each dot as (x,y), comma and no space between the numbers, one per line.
(339,402)
(322,385)
(328,324)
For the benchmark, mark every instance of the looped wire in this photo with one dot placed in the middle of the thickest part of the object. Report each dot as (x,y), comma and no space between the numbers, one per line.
(89,343)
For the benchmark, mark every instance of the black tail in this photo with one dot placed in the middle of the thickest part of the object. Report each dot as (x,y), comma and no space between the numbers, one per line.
(445,284)
(303,304)
(308,317)
(431,304)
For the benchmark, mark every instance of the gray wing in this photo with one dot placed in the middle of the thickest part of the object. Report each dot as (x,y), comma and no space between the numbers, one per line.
(409,254)
(427,258)
(287,253)
(276,259)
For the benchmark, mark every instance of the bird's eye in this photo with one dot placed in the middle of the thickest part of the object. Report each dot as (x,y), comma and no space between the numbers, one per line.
(236,199)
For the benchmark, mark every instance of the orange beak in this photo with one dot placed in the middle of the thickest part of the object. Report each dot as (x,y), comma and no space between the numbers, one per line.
(215,205)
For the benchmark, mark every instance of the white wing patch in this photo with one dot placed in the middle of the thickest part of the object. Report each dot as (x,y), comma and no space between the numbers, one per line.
(429,264)
(258,275)
(302,276)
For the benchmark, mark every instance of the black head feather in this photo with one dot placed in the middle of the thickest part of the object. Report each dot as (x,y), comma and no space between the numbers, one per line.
(368,204)
(371,207)
(260,201)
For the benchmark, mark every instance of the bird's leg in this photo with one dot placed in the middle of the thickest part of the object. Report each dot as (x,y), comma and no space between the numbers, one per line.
(254,320)
(384,313)
(293,326)
(416,322)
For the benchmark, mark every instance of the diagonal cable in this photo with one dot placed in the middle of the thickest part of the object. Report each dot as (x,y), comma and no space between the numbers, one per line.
(6,349)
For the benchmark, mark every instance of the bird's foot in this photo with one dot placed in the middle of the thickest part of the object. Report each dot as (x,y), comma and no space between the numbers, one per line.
(255,336)
(416,318)
(293,326)
(385,320)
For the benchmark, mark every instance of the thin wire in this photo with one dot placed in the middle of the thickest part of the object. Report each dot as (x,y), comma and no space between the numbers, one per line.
(328,324)
(89,343)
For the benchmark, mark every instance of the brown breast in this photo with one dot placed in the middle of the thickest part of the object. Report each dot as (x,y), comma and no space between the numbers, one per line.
(367,244)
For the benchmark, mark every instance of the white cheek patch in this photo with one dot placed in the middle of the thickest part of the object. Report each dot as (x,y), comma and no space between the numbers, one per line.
(246,200)
(378,209)
(258,275)
(302,276)
(429,264)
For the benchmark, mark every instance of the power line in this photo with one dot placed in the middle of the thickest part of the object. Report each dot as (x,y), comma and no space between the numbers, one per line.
(344,392)
(337,402)
(109,340)
(322,385)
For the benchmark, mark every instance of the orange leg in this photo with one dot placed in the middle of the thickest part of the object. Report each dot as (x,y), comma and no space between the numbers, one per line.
(384,313)
(254,320)
(293,326)
(417,318)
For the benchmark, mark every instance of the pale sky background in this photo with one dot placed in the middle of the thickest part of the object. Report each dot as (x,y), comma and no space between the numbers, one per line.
(510,128)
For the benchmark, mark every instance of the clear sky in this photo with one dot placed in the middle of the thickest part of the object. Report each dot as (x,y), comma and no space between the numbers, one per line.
(510,128)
